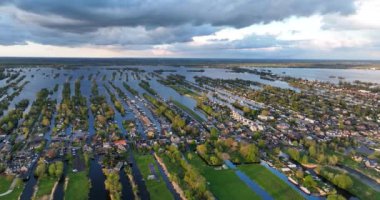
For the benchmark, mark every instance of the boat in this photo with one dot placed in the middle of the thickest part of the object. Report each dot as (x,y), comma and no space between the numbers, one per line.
(305,190)
(292,181)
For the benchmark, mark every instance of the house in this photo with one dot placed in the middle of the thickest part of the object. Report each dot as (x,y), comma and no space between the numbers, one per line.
(120,142)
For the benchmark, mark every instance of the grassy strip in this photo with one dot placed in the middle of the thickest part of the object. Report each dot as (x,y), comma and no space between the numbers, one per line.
(5,183)
(78,186)
(157,188)
(185,91)
(146,86)
(188,110)
(224,184)
(130,89)
(269,182)
(45,186)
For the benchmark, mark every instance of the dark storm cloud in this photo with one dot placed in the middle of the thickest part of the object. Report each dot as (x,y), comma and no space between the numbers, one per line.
(144,22)
(93,14)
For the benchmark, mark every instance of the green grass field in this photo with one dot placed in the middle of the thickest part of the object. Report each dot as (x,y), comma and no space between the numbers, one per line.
(5,182)
(16,192)
(78,186)
(45,186)
(269,182)
(185,91)
(157,188)
(189,111)
(224,184)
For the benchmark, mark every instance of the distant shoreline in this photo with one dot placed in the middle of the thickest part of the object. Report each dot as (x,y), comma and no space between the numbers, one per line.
(188,62)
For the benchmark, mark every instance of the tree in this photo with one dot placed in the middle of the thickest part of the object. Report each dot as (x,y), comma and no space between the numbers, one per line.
(333,160)
(56,169)
(189,156)
(294,154)
(86,157)
(341,123)
(299,173)
(335,197)
(250,152)
(305,159)
(309,182)
(321,158)
(214,133)
(51,169)
(343,181)
(312,151)
(246,109)
(113,185)
(25,130)
(45,122)
(265,112)
(202,149)
(261,143)
(101,119)
(214,160)
(40,169)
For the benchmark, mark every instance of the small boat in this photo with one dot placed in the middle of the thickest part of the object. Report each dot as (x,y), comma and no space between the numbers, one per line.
(305,190)
(292,181)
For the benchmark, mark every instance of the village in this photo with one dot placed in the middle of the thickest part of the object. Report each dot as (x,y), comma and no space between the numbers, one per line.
(121,132)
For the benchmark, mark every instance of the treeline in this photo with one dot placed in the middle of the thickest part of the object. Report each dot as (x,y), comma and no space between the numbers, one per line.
(119,107)
(113,184)
(35,111)
(348,182)
(65,112)
(81,109)
(191,181)
(214,152)
(10,121)
(220,112)
(104,113)
(4,104)
(146,86)
(162,109)
(248,112)
(54,169)
(131,90)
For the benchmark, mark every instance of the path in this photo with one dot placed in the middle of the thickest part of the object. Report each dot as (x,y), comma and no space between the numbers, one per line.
(10,187)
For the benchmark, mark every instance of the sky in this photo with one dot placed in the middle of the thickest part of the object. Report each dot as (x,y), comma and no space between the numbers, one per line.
(253,29)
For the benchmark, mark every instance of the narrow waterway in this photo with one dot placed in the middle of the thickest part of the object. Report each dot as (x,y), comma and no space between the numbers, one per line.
(60,189)
(143,192)
(126,192)
(250,183)
(28,191)
(167,182)
(97,178)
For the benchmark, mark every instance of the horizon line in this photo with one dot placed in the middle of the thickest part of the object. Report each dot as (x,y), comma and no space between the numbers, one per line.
(198,58)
